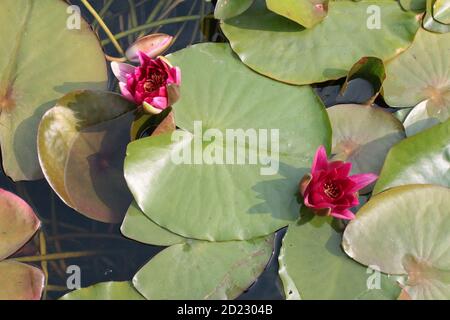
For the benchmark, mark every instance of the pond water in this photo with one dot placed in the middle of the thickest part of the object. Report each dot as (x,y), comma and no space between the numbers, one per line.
(105,255)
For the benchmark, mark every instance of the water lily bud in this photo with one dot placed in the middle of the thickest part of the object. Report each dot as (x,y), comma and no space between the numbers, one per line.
(152,45)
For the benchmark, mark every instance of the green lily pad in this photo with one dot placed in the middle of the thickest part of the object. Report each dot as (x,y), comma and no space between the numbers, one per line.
(123,290)
(421,159)
(402,113)
(421,74)
(283,50)
(229,197)
(414,5)
(20,281)
(404,231)
(81,145)
(418,119)
(137,226)
(226,9)
(370,69)
(430,22)
(314,266)
(363,135)
(18,223)
(204,270)
(41,59)
(441,11)
(152,123)
(307,13)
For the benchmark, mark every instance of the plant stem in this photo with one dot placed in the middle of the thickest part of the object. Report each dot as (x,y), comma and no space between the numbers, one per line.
(104,26)
(102,12)
(151,25)
(65,255)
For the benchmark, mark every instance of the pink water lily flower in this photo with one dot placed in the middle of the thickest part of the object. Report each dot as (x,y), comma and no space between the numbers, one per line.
(329,190)
(153,84)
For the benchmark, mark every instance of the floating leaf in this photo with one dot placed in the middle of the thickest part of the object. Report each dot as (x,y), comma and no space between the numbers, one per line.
(421,74)
(370,69)
(204,270)
(313,266)
(414,5)
(401,114)
(145,123)
(20,281)
(307,13)
(429,21)
(283,50)
(404,231)
(81,144)
(41,59)
(105,291)
(441,11)
(137,226)
(18,223)
(421,159)
(418,119)
(226,9)
(363,135)
(223,199)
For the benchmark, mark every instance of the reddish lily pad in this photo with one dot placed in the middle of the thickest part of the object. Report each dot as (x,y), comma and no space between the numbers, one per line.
(20,281)
(81,145)
(18,223)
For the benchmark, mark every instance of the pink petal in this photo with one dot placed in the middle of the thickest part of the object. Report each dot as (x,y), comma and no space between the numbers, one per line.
(159,102)
(362,180)
(121,70)
(176,75)
(143,58)
(343,170)
(125,92)
(320,161)
(346,214)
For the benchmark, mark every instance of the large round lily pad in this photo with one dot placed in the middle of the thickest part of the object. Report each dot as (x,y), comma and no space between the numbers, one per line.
(217,193)
(20,281)
(137,226)
(283,50)
(41,58)
(421,159)
(421,73)
(18,223)
(404,231)
(363,135)
(123,290)
(314,266)
(204,270)
(81,144)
